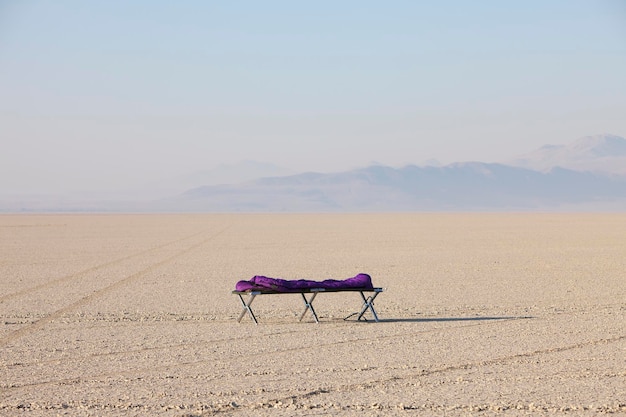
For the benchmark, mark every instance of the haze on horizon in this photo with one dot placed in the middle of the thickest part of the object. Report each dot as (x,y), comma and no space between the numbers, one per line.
(107,95)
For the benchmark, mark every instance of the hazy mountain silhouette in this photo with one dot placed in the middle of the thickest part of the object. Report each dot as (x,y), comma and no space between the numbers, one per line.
(600,153)
(459,186)
(588,174)
(234,173)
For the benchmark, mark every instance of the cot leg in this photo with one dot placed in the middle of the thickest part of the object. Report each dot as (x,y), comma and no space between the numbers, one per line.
(246,308)
(368,303)
(308,305)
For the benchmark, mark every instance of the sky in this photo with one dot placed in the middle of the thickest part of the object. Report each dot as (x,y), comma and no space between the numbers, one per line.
(113,94)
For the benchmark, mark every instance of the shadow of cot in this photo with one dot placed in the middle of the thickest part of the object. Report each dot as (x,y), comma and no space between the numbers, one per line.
(451,319)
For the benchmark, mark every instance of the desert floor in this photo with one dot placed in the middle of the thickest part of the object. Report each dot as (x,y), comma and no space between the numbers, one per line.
(483,314)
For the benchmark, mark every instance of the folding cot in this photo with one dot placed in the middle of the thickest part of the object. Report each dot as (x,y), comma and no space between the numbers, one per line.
(260,285)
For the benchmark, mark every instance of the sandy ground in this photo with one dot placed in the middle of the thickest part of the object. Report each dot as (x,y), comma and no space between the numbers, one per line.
(483,314)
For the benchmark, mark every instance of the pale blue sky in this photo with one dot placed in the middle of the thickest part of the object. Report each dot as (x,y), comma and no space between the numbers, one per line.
(113,93)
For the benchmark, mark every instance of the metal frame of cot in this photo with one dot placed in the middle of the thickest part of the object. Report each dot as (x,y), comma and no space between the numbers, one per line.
(368,302)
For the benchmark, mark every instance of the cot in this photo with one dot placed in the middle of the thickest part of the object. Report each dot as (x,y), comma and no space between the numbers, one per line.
(260,285)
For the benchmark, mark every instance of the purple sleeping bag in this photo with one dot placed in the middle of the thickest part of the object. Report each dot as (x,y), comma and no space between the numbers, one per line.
(261,283)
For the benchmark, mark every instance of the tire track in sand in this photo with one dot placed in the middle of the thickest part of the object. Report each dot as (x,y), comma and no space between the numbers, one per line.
(329,389)
(422,373)
(76,275)
(35,326)
(179,365)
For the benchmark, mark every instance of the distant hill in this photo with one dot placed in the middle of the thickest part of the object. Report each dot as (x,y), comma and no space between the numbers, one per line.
(600,153)
(222,174)
(588,174)
(460,186)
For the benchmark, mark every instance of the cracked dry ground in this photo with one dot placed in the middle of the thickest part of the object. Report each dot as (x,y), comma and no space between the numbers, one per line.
(483,314)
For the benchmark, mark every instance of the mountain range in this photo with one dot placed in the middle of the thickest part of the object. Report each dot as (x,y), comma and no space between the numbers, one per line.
(587,174)
(600,153)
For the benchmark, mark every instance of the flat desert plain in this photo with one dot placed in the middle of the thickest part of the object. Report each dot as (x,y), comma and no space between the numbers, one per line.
(483,314)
